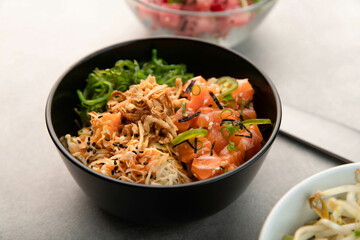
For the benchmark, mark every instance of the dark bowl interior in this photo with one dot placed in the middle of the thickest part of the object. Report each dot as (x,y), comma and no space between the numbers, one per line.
(159,205)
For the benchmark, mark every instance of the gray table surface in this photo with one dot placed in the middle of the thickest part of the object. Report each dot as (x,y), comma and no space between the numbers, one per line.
(310,49)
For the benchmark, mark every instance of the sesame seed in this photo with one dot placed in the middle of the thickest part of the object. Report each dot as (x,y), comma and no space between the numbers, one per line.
(94,151)
(107,139)
(88,143)
(116,168)
(134,152)
(125,135)
(141,151)
(78,141)
(89,149)
(115,144)
(115,162)
(87,161)
(125,146)
(112,172)
(93,144)
(97,147)
(145,163)
(100,116)
(139,175)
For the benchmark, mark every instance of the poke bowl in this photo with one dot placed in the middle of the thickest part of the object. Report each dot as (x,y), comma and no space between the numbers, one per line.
(312,207)
(156,184)
(224,22)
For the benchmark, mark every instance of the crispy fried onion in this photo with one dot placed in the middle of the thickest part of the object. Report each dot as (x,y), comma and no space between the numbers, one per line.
(130,141)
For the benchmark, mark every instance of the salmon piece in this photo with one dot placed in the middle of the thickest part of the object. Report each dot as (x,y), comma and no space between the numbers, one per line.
(252,151)
(214,135)
(244,91)
(249,113)
(245,143)
(208,115)
(206,166)
(201,89)
(105,126)
(212,117)
(184,126)
(199,80)
(187,153)
(234,157)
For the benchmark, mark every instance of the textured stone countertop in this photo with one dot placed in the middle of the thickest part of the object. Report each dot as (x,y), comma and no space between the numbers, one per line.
(310,49)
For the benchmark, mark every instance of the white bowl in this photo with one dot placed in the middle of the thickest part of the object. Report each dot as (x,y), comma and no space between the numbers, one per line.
(293,211)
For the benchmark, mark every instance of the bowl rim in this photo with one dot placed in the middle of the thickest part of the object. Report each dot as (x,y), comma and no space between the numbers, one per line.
(302,184)
(76,162)
(203,13)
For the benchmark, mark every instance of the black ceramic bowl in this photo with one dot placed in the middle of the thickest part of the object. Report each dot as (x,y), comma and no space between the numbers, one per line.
(162,204)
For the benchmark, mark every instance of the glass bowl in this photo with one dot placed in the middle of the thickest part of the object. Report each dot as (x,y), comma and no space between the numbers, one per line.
(228,28)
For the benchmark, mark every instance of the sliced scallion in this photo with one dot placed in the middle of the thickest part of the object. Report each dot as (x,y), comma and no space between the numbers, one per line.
(183,108)
(231,146)
(256,121)
(193,133)
(196,93)
(223,114)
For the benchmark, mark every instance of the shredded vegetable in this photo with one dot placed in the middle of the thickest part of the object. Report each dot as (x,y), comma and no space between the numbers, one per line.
(101,83)
(339,211)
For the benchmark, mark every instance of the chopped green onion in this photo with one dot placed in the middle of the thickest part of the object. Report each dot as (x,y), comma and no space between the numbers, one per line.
(256,121)
(227,85)
(357,232)
(192,90)
(226,110)
(188,135)
(242,104)
(183,107)
(228,100)
(230,129)
(231,146)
